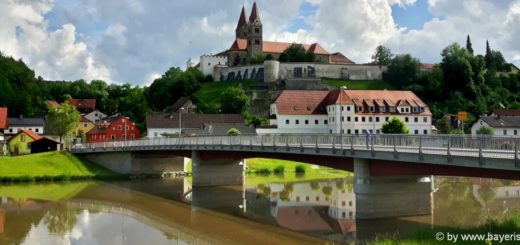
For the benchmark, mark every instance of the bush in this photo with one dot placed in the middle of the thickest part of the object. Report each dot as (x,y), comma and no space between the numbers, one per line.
(264,171)
(485,130)
(299,169)
(279,169)
(233,131)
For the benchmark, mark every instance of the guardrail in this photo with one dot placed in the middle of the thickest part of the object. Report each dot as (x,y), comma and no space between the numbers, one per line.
(461,145)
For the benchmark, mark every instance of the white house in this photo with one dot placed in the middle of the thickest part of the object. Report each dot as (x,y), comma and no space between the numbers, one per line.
(346,111)
(17,124)
(502,122)
(95,116)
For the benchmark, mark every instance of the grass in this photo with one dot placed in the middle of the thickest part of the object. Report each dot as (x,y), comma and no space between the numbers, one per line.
(359,85)
(209,93)
(508,226)
(51,166)
(44,191)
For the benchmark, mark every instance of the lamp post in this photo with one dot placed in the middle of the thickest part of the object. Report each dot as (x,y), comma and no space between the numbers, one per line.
(180,121)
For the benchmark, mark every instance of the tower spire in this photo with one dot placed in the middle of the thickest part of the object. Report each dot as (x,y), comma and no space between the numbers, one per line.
(242,21)
(255,16)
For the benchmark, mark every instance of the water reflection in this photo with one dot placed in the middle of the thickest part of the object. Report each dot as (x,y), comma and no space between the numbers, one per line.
(171,211)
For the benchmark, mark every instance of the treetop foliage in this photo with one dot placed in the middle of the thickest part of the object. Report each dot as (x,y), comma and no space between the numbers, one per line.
(296,53)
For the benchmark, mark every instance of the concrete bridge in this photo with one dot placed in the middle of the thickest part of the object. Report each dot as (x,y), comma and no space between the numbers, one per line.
(390,170)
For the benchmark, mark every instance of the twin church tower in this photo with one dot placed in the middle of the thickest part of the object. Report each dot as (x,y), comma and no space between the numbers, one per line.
(250,30)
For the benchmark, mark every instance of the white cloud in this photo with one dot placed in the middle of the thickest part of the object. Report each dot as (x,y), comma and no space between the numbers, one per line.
(402,3)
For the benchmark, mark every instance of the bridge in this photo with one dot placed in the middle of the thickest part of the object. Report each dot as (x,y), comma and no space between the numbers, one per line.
(395,168)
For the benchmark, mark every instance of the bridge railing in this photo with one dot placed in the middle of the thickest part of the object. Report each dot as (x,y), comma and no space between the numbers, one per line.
(438,144)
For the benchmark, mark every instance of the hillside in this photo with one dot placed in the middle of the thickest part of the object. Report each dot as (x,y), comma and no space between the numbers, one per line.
(359,85)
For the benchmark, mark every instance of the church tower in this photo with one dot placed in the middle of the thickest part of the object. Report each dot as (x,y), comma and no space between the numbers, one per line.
(254,37)
(242,26)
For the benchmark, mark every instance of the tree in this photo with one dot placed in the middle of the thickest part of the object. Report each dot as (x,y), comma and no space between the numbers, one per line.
(62,120)
(233,131)
(234,100)
(485,130)
(395,126)
(296,53)
(444,125)
(382,56)
(403,71)
(468,45)
(514,106)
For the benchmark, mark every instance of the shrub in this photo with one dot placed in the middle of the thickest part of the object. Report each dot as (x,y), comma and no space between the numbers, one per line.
(279,169)
(233,131)
(264,171)
(299,169)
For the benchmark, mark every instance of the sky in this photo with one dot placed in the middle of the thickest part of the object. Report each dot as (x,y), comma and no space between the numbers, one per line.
(135,41)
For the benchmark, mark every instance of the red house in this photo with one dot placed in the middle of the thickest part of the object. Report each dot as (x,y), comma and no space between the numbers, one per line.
(114,128)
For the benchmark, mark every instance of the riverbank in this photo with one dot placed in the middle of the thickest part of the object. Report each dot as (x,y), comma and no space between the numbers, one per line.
(51,166)
(504,232)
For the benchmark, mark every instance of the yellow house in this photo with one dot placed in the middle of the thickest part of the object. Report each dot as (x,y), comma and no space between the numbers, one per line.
(85,125)
(21,142)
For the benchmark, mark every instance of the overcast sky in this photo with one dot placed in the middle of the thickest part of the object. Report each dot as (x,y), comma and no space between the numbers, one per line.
(135,41)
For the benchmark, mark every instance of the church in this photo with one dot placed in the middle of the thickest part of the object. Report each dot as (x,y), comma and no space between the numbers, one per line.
(249,43)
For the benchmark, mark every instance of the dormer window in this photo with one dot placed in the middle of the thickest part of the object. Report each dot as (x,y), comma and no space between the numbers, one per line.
(382,109)
(392,109)
(415,109)
(372,108)
(360,108)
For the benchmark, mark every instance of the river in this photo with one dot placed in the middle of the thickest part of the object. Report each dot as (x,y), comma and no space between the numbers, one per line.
(170,211)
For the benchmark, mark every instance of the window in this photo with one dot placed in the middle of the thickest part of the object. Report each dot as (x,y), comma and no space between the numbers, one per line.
(155,134)
(330,131)
(425,131)
(297,198)
(209,64)
(317,198)
(350,203)
(363,119)
(425,119)
(372,109)
(356,131)
(505,132)
(22,137)
(382,109)
(257,30)
(342,108)
(416,131)
(325,121)
(119,127)
(127,127)
(402,109)
(10,130)
(342,118)
(360,108)
(287,121)
(348,119)
(29,146)
(316,122)
(123,136)
(343,203)
(85,125)
(356,119)
(377,119)
(297,121)
(515,132)
(406,119)
(370,119)
(377,131)
(415,109)
(37,130)
(306,122)
(307,198)
(407,109)
(416,119)
(348,108)
(113,137)
(257,42)
(348,131)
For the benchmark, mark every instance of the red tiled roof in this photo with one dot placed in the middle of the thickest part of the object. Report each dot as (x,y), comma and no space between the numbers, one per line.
(505,113)
(305,102)
(53,103)
(339,58)
(301,102)
(4,121)
(29,133)
(83,103)
(240,44)
(427,66)
(302,219)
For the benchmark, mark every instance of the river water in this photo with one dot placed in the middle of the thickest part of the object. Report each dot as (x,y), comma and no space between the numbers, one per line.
(170,211)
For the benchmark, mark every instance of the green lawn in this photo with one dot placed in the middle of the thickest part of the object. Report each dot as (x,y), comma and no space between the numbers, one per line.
(44,191)
(58,165)
(359,85)
(209,93)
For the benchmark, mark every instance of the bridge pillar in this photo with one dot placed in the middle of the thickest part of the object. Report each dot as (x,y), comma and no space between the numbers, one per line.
(217,172)
(386,197)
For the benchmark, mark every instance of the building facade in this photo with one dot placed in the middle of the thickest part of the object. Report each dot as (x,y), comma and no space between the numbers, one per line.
(17,124)
(20,143)
(502,122)
(114,128)
(346,112)
(95,116)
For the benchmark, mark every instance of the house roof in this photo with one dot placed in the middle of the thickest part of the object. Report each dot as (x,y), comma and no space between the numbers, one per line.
(255,15)
(339,58)
(83,119)
(180,103)
(29,133)
(52,103)
(240,44)
(300,218)
(502,122)
(220,129)
(301,102)
(506,113)
(83,103)
(26,121)
(169,120)
(4,121)
(47,139)
(305,102)
(243,18)
(426,66)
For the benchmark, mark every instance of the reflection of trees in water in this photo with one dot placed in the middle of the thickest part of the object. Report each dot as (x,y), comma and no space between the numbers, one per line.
(60,221)
(340,184)
(315,185)
(285,194)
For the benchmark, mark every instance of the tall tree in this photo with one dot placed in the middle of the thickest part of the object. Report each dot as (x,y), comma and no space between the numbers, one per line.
(62,120)
(382,56)
(234,100)
(296,53)
(403,71)
(468,45)
(488,58)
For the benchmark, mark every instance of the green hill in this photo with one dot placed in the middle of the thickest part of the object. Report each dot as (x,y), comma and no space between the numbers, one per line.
(359,85)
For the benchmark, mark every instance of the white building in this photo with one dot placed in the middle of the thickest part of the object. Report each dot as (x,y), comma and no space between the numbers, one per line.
(208,63)
(95,116)
(346,111)
(17,124)
(502,122)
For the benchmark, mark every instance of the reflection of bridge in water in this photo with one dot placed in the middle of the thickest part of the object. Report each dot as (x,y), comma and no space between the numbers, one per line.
(389,169)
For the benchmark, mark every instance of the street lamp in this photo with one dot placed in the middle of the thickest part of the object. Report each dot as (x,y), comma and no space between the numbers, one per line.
(180,121)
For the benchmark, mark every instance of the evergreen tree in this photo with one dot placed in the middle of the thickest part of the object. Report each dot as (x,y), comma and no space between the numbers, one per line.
(488,57)
(468,45)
